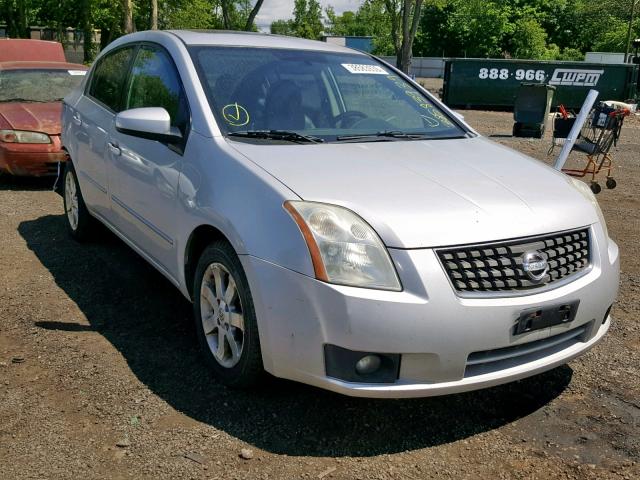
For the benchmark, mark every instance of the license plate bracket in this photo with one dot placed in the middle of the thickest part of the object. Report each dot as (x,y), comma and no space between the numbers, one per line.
(542,317)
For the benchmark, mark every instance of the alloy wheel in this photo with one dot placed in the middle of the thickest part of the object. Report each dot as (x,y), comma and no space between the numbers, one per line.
(222,315)
(71,200)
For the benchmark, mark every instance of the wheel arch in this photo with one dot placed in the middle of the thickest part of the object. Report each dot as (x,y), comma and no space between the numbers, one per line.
(58,185)
(199,238)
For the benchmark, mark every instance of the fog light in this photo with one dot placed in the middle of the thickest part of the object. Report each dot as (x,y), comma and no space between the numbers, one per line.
(368,364)
(353,366)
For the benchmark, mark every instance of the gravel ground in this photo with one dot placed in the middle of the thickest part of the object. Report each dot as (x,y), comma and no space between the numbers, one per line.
(100,377)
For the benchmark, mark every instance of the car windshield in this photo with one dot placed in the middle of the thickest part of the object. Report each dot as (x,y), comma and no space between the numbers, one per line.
(259,94)
(37,85)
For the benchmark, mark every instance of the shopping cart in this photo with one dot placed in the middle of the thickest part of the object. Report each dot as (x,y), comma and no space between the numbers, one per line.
(563,121)
(599,133)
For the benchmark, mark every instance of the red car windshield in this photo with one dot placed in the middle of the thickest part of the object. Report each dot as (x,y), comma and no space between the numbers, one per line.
(38,85)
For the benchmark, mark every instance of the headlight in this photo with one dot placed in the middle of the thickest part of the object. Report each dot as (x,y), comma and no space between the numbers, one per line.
(584,189)
(344,249)
(23,136)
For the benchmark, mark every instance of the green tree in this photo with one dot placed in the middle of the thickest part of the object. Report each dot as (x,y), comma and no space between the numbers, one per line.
(370,19)
(283,27)
(17,15)
(307,19)
(346,24)
(188,14)
(393,24)
(465,28)
(614,39)
(529,40)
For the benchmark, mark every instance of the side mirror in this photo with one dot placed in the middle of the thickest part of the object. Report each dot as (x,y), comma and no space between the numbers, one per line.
(153,123)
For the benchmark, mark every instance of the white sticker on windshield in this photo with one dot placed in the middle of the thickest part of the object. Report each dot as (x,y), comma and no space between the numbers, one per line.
(363,68)
(77,72)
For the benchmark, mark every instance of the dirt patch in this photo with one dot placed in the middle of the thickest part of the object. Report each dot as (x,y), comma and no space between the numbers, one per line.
(100,378)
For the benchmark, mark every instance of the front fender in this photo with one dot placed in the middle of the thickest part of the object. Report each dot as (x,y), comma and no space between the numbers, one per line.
(220,187)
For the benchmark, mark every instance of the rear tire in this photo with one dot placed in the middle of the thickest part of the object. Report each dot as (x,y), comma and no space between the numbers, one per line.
(225,318)
(595,187)
(80,223)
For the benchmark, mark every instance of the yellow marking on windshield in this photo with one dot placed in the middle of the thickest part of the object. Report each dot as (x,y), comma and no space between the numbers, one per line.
(235,115)
(435,118)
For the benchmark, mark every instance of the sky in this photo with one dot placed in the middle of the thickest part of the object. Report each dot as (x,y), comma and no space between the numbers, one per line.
(281,9)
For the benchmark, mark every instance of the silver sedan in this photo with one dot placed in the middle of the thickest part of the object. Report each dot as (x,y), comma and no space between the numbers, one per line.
(331,221)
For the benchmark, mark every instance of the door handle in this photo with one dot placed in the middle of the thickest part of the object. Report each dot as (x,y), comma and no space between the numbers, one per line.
(114,148)
(76,119)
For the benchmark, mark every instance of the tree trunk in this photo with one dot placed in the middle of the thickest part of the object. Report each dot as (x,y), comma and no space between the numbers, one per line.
(252,15)
(630,31)
(154,15)
(403,60)
(226,20)
(410,22)
(128,16)
(10,16)
(23,24)
(87,32)
(394,13)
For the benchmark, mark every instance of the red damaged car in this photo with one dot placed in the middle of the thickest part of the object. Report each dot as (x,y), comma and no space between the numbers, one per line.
(34,77)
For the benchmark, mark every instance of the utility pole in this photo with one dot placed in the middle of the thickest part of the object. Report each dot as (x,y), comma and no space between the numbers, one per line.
(630,30)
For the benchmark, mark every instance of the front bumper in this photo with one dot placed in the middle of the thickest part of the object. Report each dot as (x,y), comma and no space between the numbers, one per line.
(434,330)
(27,159)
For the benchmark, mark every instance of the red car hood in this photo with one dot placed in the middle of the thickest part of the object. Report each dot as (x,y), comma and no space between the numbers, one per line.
(37,117)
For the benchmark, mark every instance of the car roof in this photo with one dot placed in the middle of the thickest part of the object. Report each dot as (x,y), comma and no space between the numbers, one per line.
(254,39)
(32,65)
(26,49)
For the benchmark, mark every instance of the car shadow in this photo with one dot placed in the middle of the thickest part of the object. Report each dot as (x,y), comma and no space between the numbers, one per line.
(149,322)
(9,182)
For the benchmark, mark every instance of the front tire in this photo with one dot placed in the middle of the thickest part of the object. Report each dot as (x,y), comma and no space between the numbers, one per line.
(80,223)
(225,317)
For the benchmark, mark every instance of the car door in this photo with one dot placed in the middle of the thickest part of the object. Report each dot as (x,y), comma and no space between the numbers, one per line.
(92,119)
(143,173)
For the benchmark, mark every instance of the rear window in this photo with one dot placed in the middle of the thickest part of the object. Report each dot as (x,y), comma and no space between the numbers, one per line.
(38,85)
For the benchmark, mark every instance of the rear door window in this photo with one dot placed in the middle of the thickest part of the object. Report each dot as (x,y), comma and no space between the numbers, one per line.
(109,76)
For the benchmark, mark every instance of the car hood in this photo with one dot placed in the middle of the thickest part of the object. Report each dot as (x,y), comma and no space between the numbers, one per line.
(419,194)
(37,117)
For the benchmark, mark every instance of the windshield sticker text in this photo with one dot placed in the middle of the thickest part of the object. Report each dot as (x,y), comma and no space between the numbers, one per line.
(362,68)
(77,72)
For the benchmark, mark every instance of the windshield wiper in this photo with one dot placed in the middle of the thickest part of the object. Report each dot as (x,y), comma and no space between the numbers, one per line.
(382,136)
(388,135)
(285,135)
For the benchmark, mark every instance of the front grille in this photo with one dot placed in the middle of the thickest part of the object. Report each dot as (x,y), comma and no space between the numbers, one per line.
(489,361)
(497,267)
